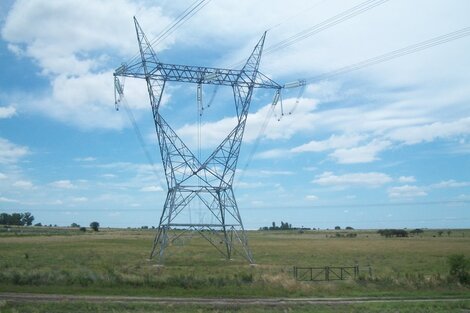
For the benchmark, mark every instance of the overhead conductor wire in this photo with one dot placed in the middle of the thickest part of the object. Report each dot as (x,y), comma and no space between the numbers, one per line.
(339,18)
(395,54)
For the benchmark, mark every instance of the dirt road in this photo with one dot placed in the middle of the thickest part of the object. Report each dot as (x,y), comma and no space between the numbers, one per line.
(30,297)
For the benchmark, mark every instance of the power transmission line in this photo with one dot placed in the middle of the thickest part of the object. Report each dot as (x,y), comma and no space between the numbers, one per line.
(339,18)
(303,11)
(332,21)
(395,54)
(337,206)
(139,136)
(182,18)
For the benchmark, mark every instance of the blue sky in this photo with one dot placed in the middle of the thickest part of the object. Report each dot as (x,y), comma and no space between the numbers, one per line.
(384,146)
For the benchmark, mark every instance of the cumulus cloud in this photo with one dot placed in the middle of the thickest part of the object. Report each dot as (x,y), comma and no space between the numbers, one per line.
(59,35)
(370,179)
(10,152)
(63,184)
(7,112)
(23,184)
(406,191)
(74,44)
(406,179)
(272,154)
(214,132)
(311,197)
(85,159)
(333,142)
(361,154)
(8,200)
(79,199)
(450,184)
(431,132)
(151,189)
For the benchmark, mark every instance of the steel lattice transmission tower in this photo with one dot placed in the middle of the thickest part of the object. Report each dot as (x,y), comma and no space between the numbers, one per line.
(188,178)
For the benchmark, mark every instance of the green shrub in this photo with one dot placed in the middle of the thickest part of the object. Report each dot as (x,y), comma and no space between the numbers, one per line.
(459,268)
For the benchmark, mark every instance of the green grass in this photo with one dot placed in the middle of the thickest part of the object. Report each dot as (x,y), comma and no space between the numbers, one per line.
(116,262)
(421,307)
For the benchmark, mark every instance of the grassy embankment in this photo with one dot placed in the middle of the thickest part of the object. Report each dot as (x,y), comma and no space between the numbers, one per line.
(115,262)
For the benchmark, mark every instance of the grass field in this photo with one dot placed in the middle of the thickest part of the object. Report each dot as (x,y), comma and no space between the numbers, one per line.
(115,262)
(457,307)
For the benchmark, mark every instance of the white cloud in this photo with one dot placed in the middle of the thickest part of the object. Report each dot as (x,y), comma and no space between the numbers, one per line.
(450,184)
(86,159)
(246,185)
(3,176)
(109,176)
(11,153)
(334,142)
(431,132)
(4,199)
(361,154)
(79,199)
(275,173)
(63,184)
(272,154)
(7,112)
(371,179)
(285,128)
(406,179)
(463,197)
(60,35)
(74,43)
(406,191)
(151,189)
(311,197)
(23,184)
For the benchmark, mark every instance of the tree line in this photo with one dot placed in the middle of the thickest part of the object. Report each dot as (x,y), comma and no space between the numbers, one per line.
(16,219)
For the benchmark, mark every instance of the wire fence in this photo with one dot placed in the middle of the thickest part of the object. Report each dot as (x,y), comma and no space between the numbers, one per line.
(329,273)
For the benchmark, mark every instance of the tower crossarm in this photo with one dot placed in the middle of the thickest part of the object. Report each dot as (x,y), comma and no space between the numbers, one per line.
(195,74)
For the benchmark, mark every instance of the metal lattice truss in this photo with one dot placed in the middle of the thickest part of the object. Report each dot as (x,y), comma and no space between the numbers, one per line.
(188,178)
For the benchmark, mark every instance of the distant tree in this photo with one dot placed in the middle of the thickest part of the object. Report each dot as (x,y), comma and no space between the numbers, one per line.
(337,228)
(145,227)
(349,228)
(75,225)
(83,229)
(17,219)
(417,231)
(439,233)
(95,226)
(38,224)
(448,233)
(4,219)
(393,232)
(27,219)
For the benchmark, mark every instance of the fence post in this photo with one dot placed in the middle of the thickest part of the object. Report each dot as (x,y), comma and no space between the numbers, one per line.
(341,275)
(295,272)
(311,274)
(327,273)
